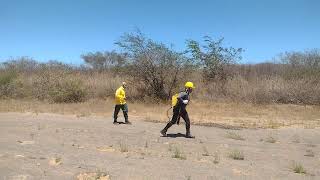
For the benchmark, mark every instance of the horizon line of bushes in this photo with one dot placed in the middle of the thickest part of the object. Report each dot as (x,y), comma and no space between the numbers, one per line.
(155,71)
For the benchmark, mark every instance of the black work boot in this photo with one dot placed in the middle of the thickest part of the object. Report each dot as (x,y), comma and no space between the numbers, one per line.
(128,122)
(164,131)
(188,134)
(126,118)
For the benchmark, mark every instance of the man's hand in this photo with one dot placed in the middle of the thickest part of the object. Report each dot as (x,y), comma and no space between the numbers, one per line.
(185,101)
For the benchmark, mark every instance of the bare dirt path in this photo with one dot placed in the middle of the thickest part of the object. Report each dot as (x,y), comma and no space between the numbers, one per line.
(47,146)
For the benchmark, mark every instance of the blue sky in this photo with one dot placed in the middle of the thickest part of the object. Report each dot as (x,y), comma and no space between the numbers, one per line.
(65,29)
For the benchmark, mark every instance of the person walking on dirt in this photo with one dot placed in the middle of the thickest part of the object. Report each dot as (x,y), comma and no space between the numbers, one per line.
(120,101)
(180,110)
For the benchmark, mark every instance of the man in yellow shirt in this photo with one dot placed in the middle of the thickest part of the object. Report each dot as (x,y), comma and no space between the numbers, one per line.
(120,101)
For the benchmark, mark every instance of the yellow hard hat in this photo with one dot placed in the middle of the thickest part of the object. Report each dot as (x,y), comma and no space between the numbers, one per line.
(189,85)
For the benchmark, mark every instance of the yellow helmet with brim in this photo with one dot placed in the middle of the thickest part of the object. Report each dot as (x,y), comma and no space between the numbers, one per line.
(189,85)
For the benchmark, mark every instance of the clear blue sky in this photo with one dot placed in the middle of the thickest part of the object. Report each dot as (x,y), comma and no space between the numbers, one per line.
(65,29)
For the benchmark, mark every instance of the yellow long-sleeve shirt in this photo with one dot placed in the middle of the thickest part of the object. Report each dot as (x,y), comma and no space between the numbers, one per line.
(120,96)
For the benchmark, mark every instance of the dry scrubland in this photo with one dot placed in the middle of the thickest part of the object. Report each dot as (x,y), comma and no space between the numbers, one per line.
(155,72)
(56,119)
(253,101)
(256,101)
(249,84)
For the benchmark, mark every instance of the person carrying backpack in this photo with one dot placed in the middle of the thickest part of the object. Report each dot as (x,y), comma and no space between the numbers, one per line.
(179,109)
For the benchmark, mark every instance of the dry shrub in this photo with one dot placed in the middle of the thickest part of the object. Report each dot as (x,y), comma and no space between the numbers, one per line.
(178,154)
(271,139)
(12,85)
(68,91)
(93,176)
(262,90)
(235,136)
(217,158)
(100,85)
(296,81)
(236,154)
(7,79)
(59,87)
(77,86)
(123,145)
(298,168)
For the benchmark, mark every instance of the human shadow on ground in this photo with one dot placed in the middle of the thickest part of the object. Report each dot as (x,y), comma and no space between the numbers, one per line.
(221,126)
(175,135)
(121,123)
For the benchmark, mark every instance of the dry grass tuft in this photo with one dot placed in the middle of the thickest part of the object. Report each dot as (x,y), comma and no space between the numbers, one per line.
(311,145)
(55,161)
(93,176)
(298,168)
(236,154)
(235,136)
(106,149)
(271,139)
(178,154)
(205,152)
(274,124)
(296,139)
(170,148)
(309,153)
(216,159)
(123,146)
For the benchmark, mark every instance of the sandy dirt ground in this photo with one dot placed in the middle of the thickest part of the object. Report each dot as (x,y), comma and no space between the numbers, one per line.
(49,146)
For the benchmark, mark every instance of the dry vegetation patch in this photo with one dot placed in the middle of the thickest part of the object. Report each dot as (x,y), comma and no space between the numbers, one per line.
(106,149)
(55,161)
(93,176)
(205,151)
(236,154)
(309,153)
(271,139)
(123,145)
(298,168)
(178,153)
(296,139)
(216,157)
(234,135)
